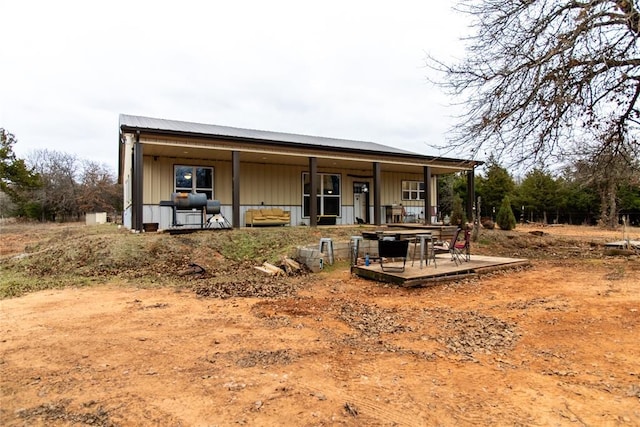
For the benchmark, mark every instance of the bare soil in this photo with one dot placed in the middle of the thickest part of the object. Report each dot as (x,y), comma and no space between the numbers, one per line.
(554,344)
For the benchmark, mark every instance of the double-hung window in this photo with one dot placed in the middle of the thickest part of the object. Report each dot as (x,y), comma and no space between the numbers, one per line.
(198,179)
(328,197)
(412,190)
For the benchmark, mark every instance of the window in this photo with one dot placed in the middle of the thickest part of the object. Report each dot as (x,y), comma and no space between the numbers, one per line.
(412,190)
(328,196)
(194,179)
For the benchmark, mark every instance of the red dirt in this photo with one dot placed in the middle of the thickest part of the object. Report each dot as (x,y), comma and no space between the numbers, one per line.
(555,344)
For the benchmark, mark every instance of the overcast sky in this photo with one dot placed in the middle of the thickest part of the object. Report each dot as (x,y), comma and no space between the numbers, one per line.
(343,69)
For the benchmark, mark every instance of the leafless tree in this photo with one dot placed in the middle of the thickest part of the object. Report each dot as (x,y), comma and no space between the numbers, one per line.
(59,192)
(99,191)
(72,187)
(605,173)
(546,79)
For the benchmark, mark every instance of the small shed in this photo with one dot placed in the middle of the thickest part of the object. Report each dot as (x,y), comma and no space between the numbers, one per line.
(96,218)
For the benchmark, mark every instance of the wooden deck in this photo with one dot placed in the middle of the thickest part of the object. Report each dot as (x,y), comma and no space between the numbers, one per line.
(445,270)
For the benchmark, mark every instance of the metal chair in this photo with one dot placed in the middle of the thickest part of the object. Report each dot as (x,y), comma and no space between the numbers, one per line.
(462,248)
(450,248)
(393,249)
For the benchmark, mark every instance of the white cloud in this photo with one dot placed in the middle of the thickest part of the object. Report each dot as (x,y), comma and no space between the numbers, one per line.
(339,69)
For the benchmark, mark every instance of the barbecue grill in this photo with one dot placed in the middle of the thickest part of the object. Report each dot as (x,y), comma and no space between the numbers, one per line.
(208,210)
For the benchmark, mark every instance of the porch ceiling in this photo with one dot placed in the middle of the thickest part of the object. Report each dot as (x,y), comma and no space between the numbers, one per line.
(326,159)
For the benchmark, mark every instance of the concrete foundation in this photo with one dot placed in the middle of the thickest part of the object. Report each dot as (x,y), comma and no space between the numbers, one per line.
(315,260)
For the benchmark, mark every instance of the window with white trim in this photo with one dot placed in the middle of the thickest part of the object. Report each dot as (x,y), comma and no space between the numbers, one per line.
(412,190)
(198,179)
(329,199)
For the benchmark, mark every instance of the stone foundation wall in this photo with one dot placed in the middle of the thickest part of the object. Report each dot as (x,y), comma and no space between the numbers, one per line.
(312,258)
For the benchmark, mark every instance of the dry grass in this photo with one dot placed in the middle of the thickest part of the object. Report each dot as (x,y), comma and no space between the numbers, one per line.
(36,256)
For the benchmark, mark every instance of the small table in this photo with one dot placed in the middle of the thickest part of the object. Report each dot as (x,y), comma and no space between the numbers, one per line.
(424,239)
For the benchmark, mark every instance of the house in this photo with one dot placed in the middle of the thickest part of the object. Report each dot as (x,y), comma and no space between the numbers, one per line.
(244,169)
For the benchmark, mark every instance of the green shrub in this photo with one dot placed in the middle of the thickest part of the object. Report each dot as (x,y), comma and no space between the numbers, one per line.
(458,216)
(506,220)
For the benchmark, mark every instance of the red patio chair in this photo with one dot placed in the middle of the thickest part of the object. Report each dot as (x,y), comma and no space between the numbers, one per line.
(462,248)
(450,248)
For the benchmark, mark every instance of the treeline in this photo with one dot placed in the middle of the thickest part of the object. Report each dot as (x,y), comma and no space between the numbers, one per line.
(54,186)
(574,195)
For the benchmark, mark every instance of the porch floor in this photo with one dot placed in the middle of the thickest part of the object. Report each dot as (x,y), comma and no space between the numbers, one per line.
(430,274)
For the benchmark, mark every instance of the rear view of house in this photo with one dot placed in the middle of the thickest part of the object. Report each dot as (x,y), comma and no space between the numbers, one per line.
(244,173)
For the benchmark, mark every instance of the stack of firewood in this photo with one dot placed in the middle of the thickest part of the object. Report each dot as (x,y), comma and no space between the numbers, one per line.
(287,267)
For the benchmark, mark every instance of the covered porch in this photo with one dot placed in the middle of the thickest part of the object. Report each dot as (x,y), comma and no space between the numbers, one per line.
(353,181)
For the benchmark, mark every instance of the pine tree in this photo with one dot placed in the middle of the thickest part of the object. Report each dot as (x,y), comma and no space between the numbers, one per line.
(16,179)
(506,220)
(458,216)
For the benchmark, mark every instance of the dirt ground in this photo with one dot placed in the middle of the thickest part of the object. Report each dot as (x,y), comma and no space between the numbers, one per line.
(554,344)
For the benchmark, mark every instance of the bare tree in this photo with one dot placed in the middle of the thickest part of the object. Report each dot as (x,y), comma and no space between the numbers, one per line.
(59,192)
(544,79)
(606,173)
(99,190)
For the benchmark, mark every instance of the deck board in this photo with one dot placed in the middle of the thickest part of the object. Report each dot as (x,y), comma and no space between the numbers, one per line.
(445,270)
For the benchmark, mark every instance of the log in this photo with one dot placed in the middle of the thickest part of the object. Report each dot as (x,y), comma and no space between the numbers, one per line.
(272,268)
(264,270)
(291,264)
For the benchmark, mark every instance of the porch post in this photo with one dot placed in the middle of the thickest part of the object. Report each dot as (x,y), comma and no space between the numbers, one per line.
(137,208)
(235,196)
(376,193)
(313,192)
(427,195)
(471,193)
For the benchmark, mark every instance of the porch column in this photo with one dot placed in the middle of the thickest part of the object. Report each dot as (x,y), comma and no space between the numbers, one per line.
(136,188)
(376,193)
(427,195)
(235,191)
(313,192)
(471,193)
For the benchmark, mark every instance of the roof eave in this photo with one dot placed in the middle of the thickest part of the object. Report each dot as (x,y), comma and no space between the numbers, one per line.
(197,135)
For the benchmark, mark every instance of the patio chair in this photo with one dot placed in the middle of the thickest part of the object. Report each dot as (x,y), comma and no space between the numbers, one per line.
(462,248)
(450,248)
(388,248)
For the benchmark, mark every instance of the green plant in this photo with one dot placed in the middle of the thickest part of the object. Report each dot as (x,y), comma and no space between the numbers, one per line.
(506,220)
(458,216)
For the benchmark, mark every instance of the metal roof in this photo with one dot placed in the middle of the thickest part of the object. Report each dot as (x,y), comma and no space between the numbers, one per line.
(175,126)
(180,128)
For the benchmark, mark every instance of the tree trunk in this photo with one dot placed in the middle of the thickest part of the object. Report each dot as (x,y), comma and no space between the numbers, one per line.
(613,208)
(608,205)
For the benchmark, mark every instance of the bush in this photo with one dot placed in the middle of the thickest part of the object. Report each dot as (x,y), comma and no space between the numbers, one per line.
(506,220)
(488,224)
(458,216)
